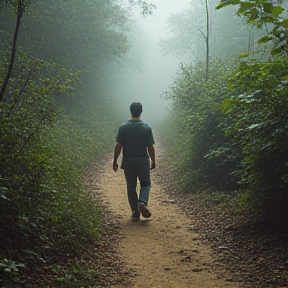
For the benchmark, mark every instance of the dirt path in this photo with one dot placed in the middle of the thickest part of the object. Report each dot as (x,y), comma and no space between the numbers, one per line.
(162,251)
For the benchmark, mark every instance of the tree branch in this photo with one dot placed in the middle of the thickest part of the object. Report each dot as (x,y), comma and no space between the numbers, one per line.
(20,92)
(204,36)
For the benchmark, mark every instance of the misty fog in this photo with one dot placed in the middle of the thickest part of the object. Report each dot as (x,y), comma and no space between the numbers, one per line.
(148,85)
(69,71)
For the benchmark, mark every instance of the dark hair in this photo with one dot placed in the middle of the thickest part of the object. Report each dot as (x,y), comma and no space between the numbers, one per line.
(136,109)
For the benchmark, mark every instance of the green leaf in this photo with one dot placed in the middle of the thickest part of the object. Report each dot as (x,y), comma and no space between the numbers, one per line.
(225,3)
(267,145)
(227,104)
(244,55)
(244,6)
(275,51)
(264,39)
(284,23)
(4,197)
(24,218)
(60,279)
(276,10)
(253,126)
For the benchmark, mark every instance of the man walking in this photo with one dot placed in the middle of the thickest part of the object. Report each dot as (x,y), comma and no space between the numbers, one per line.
(136,139)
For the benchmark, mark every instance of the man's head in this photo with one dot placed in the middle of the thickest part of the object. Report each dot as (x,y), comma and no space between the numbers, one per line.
(136,109)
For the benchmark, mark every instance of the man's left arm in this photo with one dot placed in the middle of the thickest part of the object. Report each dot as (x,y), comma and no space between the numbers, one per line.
(117,151)
(151,152)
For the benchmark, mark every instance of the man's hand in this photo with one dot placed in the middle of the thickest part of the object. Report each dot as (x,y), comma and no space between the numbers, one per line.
(115,166)
(152,165)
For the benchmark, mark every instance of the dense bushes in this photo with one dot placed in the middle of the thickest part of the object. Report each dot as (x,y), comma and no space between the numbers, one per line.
(205,157)
(43,201)
(52,127)
(257,113)
(230,133)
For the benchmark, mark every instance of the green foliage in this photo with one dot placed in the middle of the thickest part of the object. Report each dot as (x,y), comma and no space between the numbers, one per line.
(261,14)
(233,129)
(202,156)
(258,123)
(79,136)
(44,201)
(28,199)
(47,138)
(257,12)
(217,198)
(79,275)
(147,8)
(10,271)
(80,35)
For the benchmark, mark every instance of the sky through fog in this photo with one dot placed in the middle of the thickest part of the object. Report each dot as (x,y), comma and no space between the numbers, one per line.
(158,71)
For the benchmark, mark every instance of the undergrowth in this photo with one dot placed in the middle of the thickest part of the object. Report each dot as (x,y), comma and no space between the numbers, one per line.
(46,210)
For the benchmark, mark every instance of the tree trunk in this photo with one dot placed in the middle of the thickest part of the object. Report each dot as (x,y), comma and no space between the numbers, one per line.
(207,39)
(13,51)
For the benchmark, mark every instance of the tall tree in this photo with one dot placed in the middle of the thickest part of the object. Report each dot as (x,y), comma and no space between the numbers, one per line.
(21,5)
(207,38)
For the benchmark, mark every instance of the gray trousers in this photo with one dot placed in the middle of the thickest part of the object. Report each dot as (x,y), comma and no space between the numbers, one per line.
(137,169)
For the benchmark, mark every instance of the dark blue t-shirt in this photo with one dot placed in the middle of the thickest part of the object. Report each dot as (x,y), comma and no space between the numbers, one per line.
(135,136)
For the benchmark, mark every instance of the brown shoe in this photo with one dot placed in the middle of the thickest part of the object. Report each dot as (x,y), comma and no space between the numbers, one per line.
(144,211)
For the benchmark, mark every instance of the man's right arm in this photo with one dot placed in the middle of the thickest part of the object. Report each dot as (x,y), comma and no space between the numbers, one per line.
(117,151)
(151,152)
